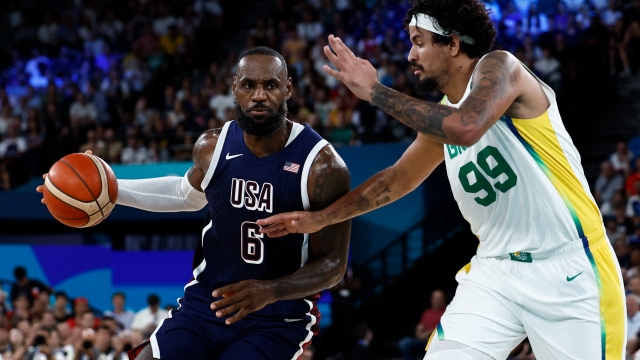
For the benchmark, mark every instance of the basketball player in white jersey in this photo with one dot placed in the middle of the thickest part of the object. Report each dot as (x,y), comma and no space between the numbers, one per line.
(544,268)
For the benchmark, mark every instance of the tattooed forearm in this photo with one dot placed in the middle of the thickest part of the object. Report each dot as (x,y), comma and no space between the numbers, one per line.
(420,115)
(491,84)
(328,181)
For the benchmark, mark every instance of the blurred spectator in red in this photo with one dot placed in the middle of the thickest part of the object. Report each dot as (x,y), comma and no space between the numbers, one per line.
(412,346)
(20,310)
(633,177)
(80,308)
(633,202)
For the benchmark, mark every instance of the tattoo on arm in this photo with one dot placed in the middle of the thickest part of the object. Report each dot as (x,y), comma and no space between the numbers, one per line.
(492,81)
(420,115)
(328,181)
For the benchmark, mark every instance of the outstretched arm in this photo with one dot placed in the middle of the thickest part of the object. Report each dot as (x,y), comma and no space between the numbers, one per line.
(173,193)
(328,181)
(385,187)
(170,193)
(495,88)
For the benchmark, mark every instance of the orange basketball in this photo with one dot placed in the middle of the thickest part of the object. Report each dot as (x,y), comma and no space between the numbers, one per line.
(80,190)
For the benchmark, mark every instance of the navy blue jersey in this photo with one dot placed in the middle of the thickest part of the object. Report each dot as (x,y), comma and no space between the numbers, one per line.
(242,188)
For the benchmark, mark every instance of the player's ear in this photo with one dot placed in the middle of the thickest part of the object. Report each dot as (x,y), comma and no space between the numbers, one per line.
(454,46)
(289,86)
(233,86)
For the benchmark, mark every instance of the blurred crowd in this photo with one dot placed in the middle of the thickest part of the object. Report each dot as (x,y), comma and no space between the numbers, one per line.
(43,324)
(617,192)
(138,81)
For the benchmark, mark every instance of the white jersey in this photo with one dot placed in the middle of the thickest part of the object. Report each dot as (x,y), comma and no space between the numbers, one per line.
(522,187)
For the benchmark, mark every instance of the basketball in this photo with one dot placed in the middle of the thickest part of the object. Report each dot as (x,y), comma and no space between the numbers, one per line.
(80,190)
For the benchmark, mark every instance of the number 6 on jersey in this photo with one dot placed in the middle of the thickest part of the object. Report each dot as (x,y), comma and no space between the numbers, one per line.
(252,245)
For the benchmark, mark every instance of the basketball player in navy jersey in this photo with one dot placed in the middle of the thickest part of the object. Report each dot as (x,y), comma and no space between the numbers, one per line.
(259,165)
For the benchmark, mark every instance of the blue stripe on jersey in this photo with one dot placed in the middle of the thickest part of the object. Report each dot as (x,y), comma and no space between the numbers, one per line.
(242,190)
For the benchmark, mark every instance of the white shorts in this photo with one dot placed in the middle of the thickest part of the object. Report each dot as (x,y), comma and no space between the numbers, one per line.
(569,302)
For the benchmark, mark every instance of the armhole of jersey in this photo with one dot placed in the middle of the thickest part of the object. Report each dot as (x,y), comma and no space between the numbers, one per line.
(305,193)
(295,131)
(216,156)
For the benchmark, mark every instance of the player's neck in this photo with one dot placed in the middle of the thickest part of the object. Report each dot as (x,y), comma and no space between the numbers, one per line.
(460,74)
(262,146)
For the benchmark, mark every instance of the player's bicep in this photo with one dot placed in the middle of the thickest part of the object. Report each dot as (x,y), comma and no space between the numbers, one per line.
(494,89)
(417,163)
(328,181)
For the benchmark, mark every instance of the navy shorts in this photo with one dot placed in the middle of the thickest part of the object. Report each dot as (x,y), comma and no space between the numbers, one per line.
(196,333)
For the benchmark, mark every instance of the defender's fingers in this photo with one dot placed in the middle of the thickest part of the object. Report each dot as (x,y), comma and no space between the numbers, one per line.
(272,228)
(340,48)
(281,233)
(334,73)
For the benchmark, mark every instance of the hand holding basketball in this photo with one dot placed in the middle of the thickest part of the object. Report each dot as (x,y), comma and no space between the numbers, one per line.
(358,74)
(80,190)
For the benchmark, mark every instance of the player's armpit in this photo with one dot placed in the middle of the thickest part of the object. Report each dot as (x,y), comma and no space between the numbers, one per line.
(202,153)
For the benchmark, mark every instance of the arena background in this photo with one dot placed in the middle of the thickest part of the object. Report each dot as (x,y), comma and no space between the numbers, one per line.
(137,82)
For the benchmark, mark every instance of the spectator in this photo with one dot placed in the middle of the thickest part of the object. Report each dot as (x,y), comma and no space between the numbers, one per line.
(309,29)
(173,42)
(222,101)
(364,336)
(119,313)
(632,178)
(24,285)
(60,311)
(80,308)
(133,153)
(147,319)
(411,346)
(620,160)
(633,202)
(20,309)
(607,183)
(308,353)
(113,147)
(82,114)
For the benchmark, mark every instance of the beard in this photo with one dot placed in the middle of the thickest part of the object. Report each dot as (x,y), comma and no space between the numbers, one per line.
(265,128)
(427,86)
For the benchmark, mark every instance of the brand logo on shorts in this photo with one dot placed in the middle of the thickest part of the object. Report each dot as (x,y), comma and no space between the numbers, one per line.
(573,277)
(521,256)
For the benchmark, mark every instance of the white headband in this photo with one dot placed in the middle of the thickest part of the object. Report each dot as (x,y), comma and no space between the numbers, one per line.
(428,23)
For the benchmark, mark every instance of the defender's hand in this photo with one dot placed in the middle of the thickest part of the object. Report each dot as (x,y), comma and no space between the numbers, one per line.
(244,298)
(40,188)
(302,222)
(358,74)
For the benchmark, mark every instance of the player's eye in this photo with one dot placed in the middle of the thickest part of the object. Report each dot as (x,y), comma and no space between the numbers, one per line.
(246,86)
(271,86)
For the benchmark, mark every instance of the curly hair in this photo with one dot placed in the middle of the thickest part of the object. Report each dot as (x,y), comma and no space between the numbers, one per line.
(467,17)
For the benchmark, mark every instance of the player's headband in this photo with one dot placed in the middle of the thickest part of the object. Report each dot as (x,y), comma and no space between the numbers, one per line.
(428,23)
